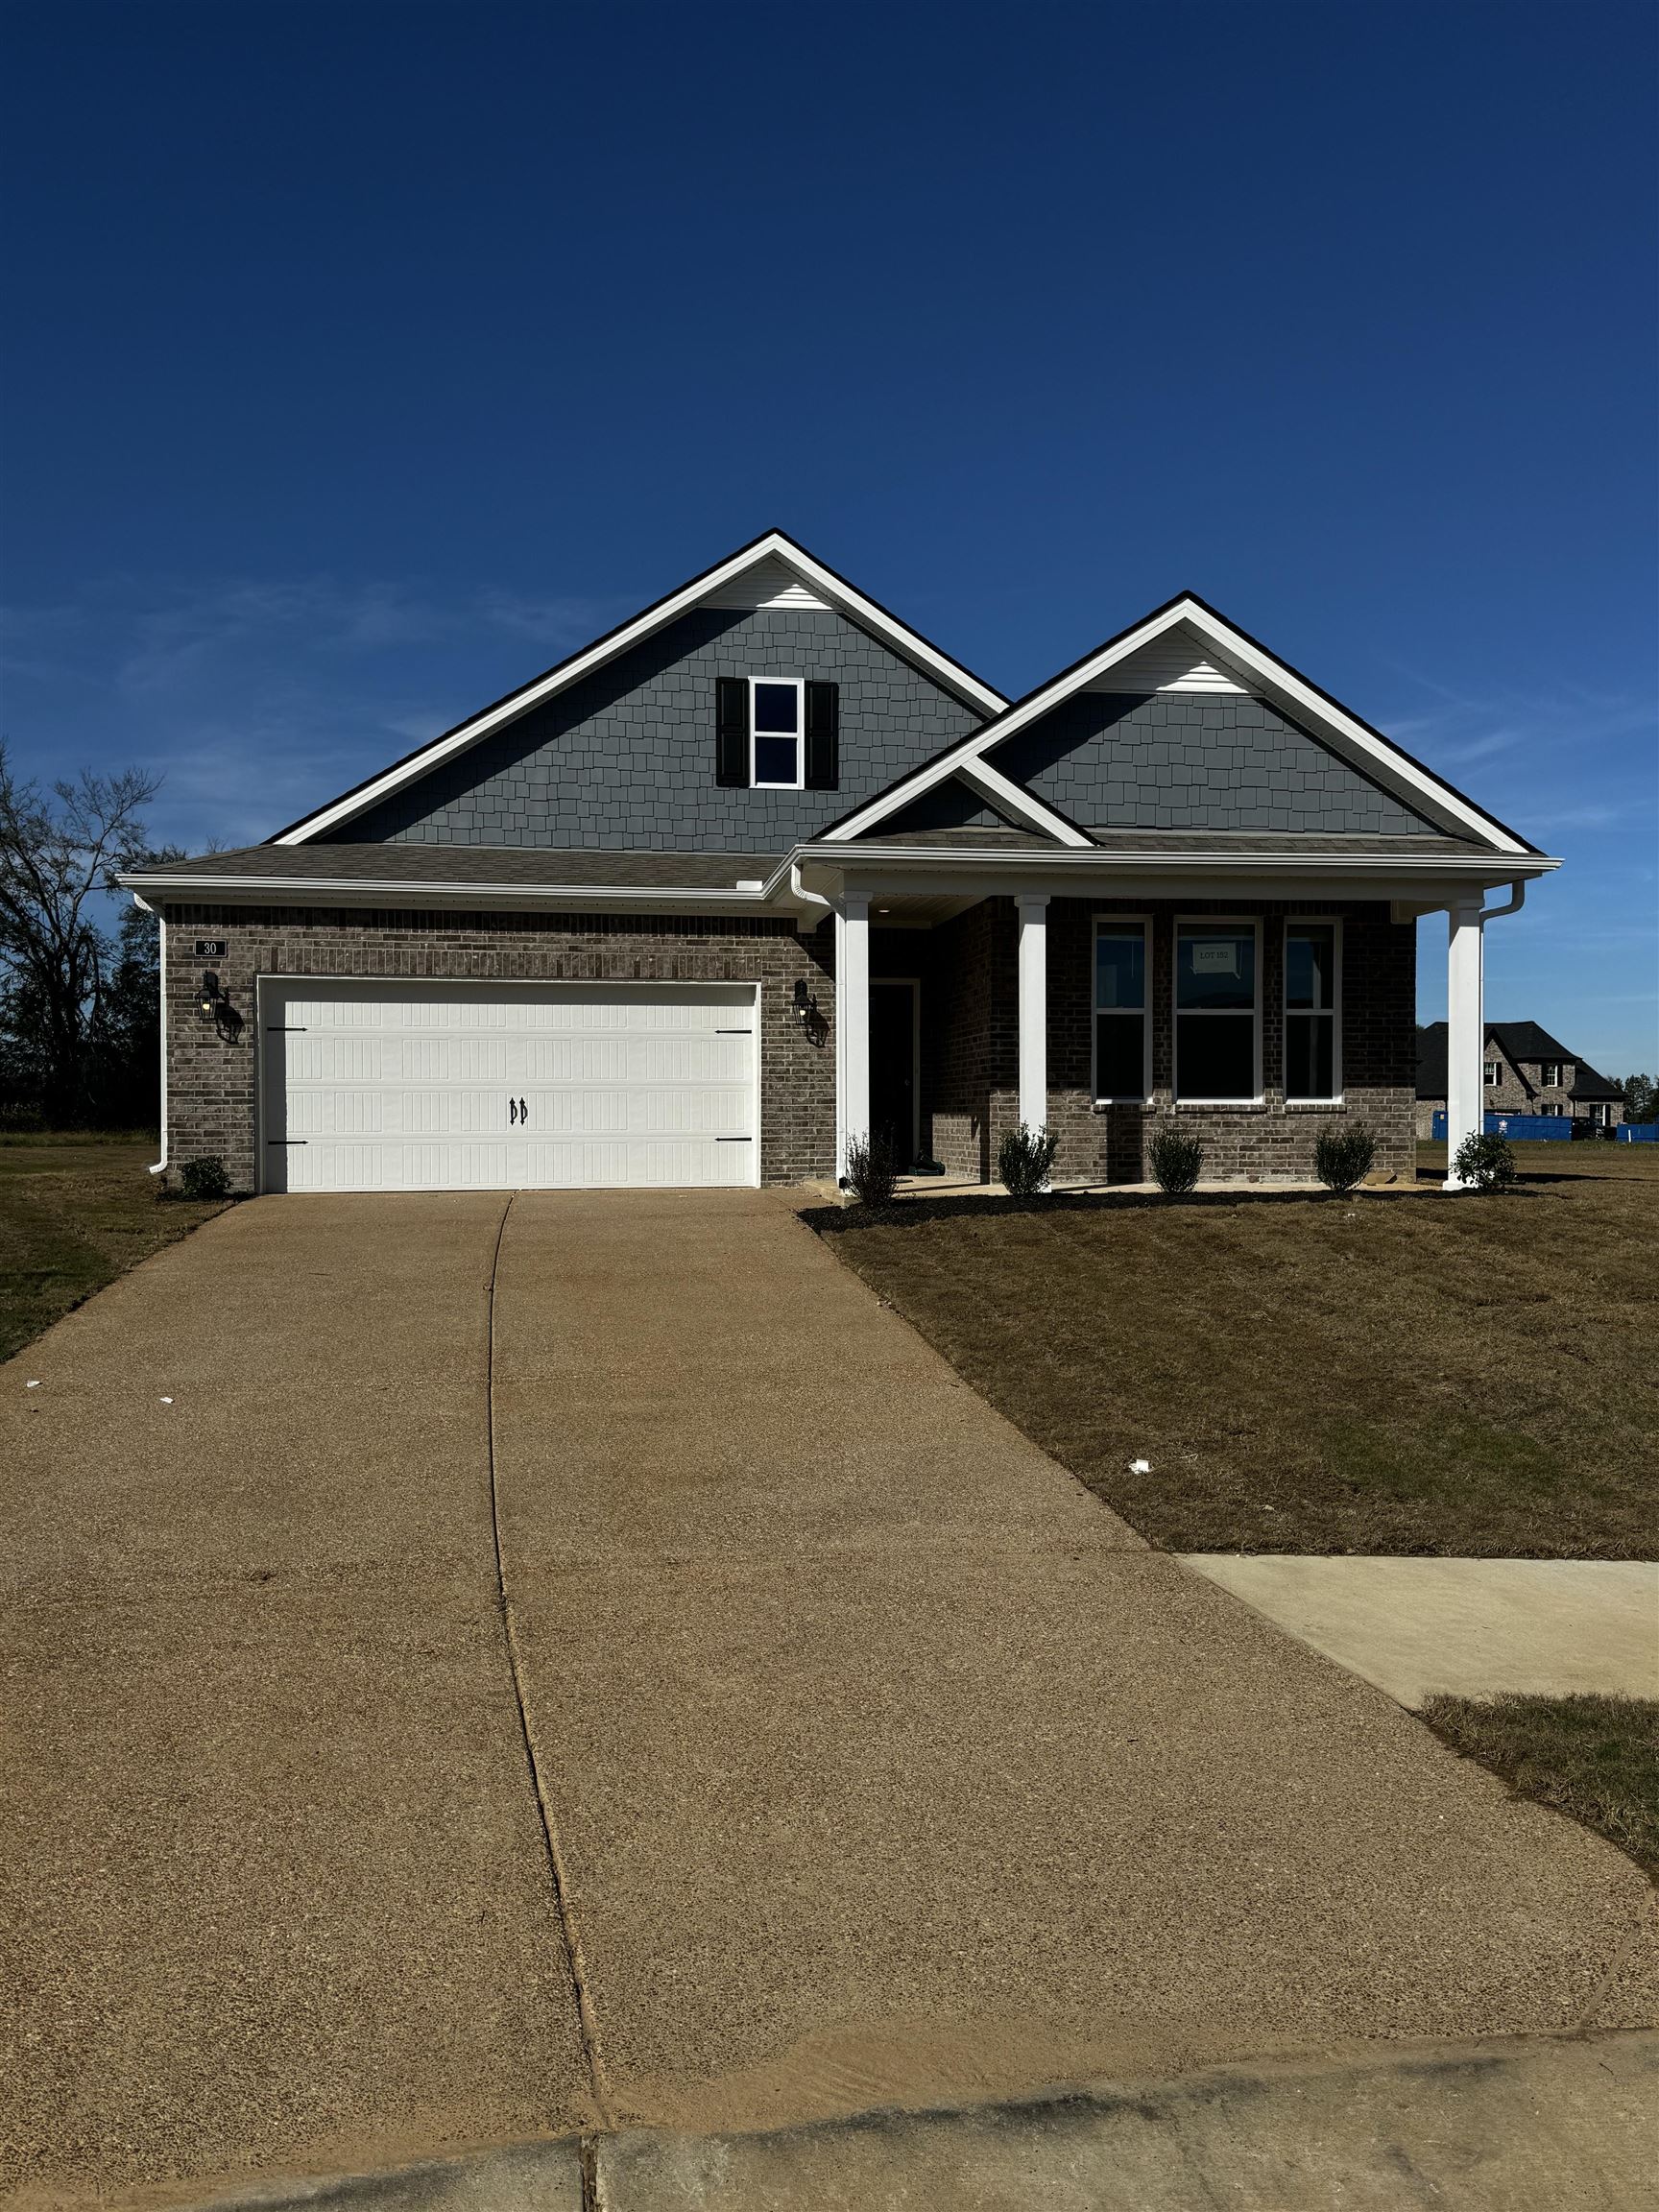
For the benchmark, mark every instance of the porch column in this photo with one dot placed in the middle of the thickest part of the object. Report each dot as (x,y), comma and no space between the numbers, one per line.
(1032,907)
(852,1020)
(1465,1030)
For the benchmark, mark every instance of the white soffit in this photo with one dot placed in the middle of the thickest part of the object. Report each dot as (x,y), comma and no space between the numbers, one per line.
(770,583)
(1176,662)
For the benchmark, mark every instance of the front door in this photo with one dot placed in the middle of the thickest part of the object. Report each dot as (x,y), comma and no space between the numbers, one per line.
(893,1033)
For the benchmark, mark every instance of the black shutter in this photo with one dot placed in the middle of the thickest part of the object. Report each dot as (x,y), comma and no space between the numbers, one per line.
(731,729)
(823,737)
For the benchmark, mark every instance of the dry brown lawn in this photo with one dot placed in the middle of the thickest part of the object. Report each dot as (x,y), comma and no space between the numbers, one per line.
(1393,1372)
(75,1212)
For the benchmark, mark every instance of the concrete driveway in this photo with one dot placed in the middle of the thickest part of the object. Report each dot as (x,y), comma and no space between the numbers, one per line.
(872,1761)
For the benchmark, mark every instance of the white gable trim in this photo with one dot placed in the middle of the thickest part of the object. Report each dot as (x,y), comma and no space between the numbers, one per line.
(1364,746)
(827,588)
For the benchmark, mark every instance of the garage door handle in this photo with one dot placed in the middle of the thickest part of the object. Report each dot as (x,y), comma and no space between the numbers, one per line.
(523,1111)
(512,1110)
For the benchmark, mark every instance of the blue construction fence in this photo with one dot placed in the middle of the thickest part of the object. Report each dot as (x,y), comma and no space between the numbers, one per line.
(1545,1128)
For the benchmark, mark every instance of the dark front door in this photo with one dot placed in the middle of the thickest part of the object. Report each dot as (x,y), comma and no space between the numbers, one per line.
(892,1067)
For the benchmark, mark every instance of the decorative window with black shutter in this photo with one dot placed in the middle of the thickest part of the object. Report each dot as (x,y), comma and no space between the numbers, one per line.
(776,733)
(731,729)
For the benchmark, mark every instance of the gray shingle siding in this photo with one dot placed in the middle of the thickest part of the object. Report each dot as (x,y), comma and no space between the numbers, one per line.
(1179,762)
(625,760)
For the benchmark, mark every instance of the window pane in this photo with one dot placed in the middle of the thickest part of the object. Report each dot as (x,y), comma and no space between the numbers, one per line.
(1215,968)
(1309,1063)
(1308,966)
(1120,1056)
(1215,1055)
(775,759)
(1120,970)
(777,707)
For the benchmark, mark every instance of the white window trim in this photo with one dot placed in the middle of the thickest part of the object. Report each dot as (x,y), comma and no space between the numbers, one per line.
(1492,1074)
(1120,924)
(1332,922)
(1177,1011)
(1548,1081)
(798,685)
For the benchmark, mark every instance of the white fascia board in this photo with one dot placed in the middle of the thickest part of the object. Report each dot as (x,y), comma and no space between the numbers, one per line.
(774,546)
(968,753)
(1102,872)
(993,785)
(1233,644)
(357,891)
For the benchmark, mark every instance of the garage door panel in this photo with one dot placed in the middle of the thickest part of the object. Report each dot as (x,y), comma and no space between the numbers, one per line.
(406,1087)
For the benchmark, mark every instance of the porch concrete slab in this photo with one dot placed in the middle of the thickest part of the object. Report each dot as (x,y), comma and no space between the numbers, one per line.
(1472,1627)
(1484,2127)
(884,1774)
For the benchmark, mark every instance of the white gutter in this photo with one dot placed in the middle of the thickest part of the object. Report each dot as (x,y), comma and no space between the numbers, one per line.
(160,1166)
(378,891)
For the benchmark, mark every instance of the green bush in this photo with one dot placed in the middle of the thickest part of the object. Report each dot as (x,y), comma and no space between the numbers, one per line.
(1176,1156)
(1485,1162)
(872,1170)
(205,1178)
(1025,1159)
(1343,1157)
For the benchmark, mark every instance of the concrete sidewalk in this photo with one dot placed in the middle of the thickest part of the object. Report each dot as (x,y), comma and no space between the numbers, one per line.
(1473,1627)
(1571,2124)
(884,1767)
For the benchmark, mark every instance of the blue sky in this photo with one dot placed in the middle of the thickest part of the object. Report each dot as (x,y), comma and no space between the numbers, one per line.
(362,359)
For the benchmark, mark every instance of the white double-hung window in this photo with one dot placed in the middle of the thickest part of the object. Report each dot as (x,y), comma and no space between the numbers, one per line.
(1312,1010)
(1217,1012)
(777,720)
(1123,1029)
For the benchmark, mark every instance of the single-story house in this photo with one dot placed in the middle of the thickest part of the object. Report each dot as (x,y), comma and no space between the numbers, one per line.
(763,870)
(1523,1070)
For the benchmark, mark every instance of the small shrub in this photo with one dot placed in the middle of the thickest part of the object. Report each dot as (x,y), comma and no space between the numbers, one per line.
(1176,1156)
(1025,1159)
(1343,1157)
(1485,1162)
(872,1170)
(205,1178)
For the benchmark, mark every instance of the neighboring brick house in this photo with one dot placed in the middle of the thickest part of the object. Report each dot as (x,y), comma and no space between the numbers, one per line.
(1523,1070)
(762,870)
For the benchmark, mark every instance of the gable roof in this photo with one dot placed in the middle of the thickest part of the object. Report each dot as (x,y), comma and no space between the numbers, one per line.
(785,572)
(1365,748)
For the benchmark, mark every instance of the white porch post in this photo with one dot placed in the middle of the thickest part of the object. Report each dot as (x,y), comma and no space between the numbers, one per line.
(853,1021)
(1032,907)
(1465,1030)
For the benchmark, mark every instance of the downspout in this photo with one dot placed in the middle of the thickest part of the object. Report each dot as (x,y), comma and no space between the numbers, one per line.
(161,1166)
(1516,900)
(806,900)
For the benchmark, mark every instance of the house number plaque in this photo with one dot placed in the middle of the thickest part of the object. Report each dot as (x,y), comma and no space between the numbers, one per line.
(211,947)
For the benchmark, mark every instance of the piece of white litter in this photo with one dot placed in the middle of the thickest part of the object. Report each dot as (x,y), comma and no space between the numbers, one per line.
(1139,1466)
(35,1385)
(166,1401)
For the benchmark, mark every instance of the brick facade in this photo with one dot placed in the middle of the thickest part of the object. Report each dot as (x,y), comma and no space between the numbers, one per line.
(969,1039)
(969,1013)
(212,1082)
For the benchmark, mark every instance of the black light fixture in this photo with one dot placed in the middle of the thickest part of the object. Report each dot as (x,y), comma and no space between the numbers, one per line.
(216,1007)
(806,1013)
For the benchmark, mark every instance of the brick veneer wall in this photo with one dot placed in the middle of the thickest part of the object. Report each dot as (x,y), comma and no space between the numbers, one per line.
(211,1082)
(969,1063)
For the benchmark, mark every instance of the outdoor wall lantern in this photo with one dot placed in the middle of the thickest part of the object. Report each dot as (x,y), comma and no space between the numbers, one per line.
(806,1013)
(217,1007)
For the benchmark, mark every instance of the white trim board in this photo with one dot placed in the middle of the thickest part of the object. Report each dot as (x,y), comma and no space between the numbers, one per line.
(1365,748)
(774,547)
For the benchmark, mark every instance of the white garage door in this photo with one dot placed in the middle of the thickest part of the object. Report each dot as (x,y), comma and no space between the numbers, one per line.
(506,1087)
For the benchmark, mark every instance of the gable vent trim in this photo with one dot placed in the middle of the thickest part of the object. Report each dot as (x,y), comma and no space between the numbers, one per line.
(770,583)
